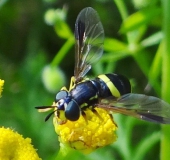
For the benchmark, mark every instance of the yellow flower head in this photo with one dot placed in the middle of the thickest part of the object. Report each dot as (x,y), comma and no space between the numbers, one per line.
(1,86)
(87,133)
(14,147)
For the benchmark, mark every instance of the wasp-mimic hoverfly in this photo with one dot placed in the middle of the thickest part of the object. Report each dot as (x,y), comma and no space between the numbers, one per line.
(108,91)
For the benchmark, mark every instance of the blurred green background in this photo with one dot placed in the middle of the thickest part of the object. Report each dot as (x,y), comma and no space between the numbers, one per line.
(37,59)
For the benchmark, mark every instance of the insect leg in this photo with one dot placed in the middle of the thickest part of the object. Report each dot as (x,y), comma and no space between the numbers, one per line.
(96,113)
(64,89)
(72,83)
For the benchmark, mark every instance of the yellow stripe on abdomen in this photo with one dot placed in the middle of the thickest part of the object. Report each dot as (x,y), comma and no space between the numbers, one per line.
(114,91)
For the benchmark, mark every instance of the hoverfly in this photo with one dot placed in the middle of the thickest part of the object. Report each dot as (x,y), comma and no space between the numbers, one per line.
(108,91)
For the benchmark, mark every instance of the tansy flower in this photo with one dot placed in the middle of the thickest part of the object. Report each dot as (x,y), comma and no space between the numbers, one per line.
(87,133)
(1,86)
(14,147)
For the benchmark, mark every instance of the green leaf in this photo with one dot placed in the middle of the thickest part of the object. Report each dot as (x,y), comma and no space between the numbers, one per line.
(139,18)
(153,39)
(114,45)
(145,145)
(114,56)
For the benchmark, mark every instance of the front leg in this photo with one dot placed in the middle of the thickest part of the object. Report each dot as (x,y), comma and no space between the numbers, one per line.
(64,89)
(72,83)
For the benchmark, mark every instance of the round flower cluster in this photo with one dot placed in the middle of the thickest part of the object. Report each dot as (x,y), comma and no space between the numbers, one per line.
(14,146)
(94,130)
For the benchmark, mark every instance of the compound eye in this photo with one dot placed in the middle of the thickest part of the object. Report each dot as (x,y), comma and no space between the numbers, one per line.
(61,95)
(72,111)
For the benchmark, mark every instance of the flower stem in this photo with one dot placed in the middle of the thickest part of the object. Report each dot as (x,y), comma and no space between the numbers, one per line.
(165,141)
(62,52)
(122,9)
(63,153)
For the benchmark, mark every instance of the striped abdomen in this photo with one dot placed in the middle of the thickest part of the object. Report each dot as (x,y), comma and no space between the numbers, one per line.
(112,85)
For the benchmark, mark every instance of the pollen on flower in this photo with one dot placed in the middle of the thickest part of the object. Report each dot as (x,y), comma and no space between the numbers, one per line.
(14,146)
(97,130)
(1,86)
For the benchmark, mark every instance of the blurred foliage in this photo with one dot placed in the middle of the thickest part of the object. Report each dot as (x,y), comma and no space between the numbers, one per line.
(37,59)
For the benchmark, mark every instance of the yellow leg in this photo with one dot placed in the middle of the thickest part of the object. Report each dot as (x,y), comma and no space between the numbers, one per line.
(72,83)
(64,89)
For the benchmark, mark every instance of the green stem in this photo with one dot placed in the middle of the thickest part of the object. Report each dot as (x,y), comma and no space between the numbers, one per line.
(62,52)
(65,153)
(155,70)
(61,155)
(165,141)
(122,9)
(124,14)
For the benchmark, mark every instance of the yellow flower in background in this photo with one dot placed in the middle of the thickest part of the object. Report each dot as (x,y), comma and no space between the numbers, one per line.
(1,86)
(14,147)
(89,133)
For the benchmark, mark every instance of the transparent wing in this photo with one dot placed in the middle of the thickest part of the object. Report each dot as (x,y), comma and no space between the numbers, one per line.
(89,35)
(143,107)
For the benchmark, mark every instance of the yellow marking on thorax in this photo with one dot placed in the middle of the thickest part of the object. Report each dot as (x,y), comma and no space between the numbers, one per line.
(94,97)
(73,82)
(114,91)
(83,105)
